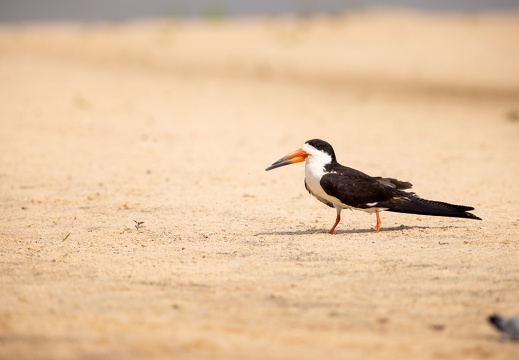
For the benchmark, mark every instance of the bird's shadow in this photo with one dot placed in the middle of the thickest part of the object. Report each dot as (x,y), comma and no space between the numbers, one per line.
(353,231)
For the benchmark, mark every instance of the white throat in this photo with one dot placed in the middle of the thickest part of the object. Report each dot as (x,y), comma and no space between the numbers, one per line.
(314,169)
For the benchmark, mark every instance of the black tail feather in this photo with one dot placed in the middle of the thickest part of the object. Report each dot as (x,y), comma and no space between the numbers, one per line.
(419,206)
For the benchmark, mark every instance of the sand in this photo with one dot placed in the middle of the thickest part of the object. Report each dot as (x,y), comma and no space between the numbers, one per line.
(137,220)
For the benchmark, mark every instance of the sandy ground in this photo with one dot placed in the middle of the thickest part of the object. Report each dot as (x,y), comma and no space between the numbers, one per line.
(173,123)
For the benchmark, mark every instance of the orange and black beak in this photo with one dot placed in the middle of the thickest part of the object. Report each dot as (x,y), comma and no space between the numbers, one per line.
(292,158)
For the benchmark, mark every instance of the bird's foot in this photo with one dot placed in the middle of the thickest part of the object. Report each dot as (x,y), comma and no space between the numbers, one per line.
(335,225)
(377,227)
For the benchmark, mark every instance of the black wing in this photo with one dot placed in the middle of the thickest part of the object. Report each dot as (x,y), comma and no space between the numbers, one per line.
(354,188)
(394,183)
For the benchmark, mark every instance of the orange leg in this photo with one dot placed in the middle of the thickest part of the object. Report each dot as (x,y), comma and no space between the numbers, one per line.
(377,227)
(335,225)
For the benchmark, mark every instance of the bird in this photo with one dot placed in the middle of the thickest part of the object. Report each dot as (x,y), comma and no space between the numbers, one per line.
(342,187)
(509,327)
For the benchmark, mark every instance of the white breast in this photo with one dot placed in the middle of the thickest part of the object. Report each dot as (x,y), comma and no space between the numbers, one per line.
(314,171)
(313,174)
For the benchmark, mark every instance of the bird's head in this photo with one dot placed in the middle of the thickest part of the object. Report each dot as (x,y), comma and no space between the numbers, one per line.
(315,150)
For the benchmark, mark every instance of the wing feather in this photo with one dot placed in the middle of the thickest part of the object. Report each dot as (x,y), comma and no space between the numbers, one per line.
(356,189)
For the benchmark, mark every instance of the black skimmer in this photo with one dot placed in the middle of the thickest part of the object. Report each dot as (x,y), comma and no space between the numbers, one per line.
(342,187)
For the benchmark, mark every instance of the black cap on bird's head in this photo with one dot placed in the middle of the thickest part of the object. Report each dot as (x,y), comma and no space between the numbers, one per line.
(311,148)
(323,146)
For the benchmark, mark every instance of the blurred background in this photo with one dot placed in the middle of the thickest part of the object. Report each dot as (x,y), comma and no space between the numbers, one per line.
(178,68)
(119,10)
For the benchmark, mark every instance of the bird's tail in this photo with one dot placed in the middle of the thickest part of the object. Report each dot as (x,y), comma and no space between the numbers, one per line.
(497,321)
(413,204)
